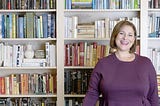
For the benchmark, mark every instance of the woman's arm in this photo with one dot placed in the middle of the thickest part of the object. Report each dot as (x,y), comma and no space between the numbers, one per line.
(153,92)
(93,91)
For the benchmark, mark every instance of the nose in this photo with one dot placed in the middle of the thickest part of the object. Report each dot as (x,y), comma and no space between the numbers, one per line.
(124,36)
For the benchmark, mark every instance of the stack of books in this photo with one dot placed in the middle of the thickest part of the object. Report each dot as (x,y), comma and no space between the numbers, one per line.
(85,30)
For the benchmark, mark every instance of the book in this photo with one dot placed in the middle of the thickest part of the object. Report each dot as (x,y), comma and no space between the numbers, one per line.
(25,60)
(81,5)
(30,24)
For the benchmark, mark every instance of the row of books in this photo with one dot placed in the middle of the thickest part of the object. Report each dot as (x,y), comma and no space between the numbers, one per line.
(79,102)
(27,4)
(102,4)
(153,3)
(154,25)
(97,29)
(24,84)
(27,102)
(29,25)
(73,102)
(84,53)
(13,56)
(76,81)
(154,55)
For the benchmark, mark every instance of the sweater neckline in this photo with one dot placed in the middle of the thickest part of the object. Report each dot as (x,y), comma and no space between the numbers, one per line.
(115,57)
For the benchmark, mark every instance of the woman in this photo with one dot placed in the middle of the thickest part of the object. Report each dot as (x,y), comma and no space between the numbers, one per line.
(123,78)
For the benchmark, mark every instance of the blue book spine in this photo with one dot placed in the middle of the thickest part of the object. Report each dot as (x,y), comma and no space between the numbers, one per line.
(45,25)
(49,26)
(24,27)
(53,25)
(68,4)
(20,27)
(106,4)
(95,4)
(10,25)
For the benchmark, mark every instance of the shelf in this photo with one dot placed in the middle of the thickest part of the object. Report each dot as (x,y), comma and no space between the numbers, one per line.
(102,10)
(27,39)
(77,67)
(74,95)
(154,10)
(27,10)
(88,39)
(47,95)
(153,38)
(26,68)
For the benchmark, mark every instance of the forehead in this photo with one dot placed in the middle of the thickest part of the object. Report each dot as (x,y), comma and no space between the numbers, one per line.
(126,28)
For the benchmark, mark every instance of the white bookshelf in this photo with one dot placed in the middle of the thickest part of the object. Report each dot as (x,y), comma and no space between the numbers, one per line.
(87,15)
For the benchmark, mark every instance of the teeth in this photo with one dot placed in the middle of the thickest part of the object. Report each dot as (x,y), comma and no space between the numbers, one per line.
(124,42)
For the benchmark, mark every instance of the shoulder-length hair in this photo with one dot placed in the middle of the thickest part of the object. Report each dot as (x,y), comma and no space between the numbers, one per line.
(115,32)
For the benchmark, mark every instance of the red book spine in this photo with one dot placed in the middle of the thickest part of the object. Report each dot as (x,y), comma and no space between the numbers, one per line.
(67,55)
(75,54)
(9,4)
(81,53)
(47,82)
(3,85)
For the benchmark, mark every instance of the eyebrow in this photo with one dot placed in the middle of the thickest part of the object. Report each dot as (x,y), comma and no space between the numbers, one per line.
(129,32)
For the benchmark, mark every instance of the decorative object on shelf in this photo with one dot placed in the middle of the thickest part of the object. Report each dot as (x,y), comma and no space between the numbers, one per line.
(29,52)
(40,54)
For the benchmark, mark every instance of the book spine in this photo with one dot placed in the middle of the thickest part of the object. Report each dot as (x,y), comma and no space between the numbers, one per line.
(47,49)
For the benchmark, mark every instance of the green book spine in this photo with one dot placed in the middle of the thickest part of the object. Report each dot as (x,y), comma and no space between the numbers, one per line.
(30,24)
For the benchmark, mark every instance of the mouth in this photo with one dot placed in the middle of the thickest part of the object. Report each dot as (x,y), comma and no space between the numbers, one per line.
(124,42)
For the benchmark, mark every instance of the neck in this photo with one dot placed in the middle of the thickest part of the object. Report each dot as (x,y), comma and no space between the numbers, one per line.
(125,56)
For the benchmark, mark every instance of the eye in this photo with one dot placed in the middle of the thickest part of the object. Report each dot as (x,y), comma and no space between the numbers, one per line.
(131,35)
(121,33)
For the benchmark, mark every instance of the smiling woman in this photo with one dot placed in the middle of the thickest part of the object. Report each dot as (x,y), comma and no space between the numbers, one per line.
(120,30)
(123,78)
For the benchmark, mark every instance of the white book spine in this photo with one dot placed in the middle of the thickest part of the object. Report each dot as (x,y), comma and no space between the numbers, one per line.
(107,35)
(1,53)
(14,58)
(52,55)
(10,55)
(47,53)
(5,56)
(44,84)
(18,56)
(34,60)
(7,85)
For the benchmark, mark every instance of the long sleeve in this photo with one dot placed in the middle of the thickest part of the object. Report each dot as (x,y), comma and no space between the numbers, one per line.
(93,92)
(153,91)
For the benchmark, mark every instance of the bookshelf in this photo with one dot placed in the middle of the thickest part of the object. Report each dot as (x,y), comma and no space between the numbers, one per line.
(153,36)
(28,79)
(60,40)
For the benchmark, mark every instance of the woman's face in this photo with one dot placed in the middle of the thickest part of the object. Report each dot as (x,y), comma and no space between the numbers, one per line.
(125,38)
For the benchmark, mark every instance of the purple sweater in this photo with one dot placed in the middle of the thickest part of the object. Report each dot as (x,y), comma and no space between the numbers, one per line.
(123,83)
